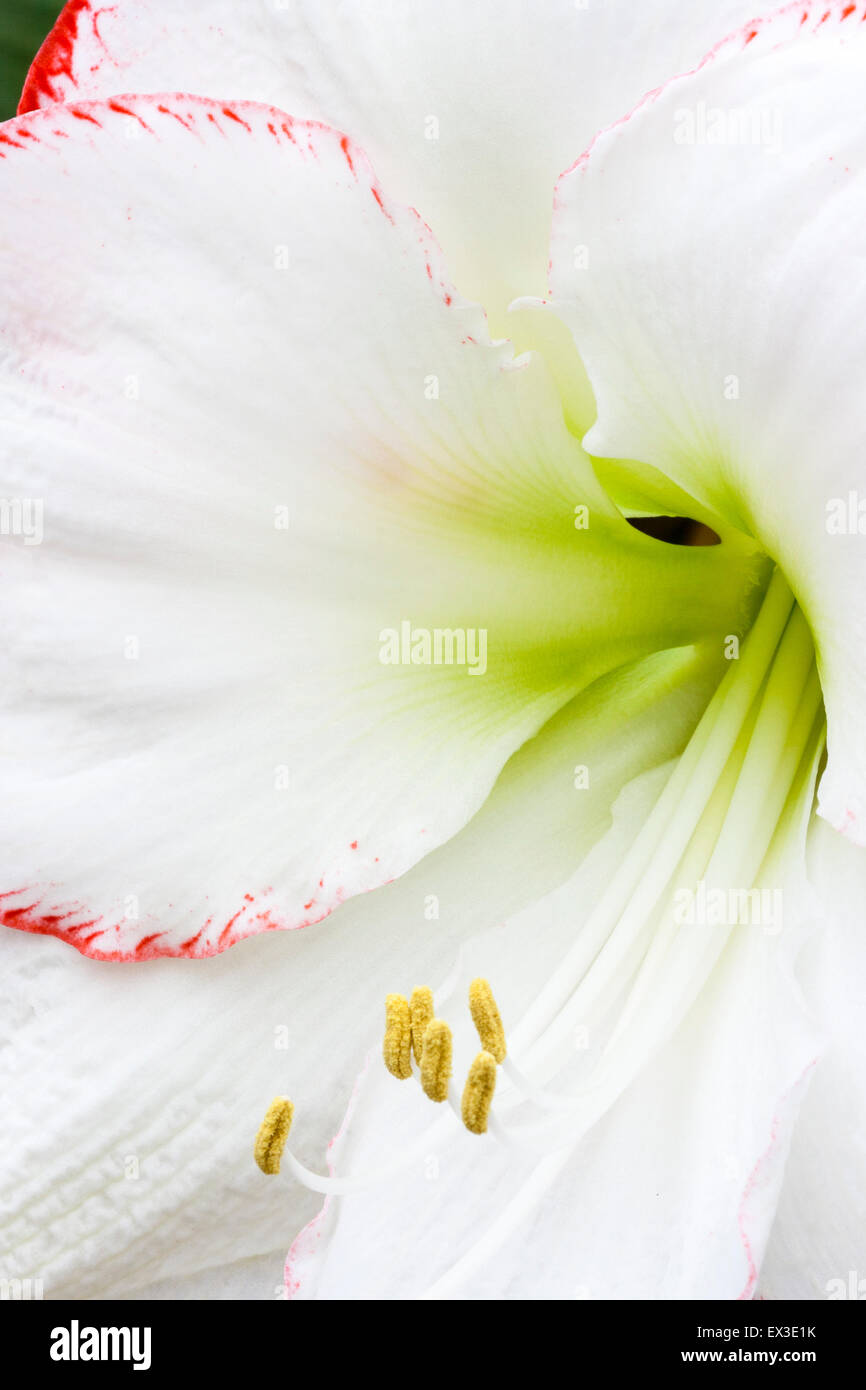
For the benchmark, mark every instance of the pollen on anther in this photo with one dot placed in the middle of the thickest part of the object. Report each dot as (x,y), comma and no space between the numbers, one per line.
(478,1093)
(485,1016)
(397,1046)
(273,1133)
(436,1060)
(421,1012)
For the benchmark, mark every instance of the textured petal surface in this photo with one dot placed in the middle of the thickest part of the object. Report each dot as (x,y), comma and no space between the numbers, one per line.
(469,111)
(721,312)
(257,444)
(128,1153)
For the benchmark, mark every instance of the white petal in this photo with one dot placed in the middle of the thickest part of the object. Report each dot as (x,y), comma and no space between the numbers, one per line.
(722,315)
(469,111)
(817,1243)
(131,1094)
(669,1196)
(215,323)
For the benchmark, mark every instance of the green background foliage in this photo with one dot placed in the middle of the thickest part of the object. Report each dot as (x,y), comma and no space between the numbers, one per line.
(23,26)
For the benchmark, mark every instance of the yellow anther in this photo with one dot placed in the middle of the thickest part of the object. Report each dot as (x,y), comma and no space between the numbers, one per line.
(397,1046)
(273,1133)
(478,1093)
(436,1060)
(485,1016)
(421,1012)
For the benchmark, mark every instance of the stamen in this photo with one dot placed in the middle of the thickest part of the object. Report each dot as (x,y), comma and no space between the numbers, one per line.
(273,1133)
(485,1016)
(397,1047)
(746,776)
(478,1093)
(436,1060)
(421,1013)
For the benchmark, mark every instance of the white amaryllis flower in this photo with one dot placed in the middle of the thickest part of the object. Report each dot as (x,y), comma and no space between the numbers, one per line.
(309,585)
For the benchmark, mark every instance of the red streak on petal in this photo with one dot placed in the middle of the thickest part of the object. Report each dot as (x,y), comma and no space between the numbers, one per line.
(53,62)
(377,195)
(227,928)
(344,146)
(29,918)
(167,112)
(125,111)
(146,941)
(190,941)
(12,912)
(84,116)
(233,116)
